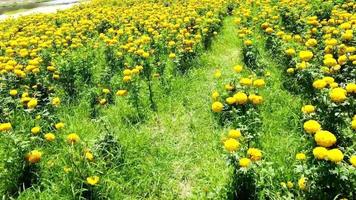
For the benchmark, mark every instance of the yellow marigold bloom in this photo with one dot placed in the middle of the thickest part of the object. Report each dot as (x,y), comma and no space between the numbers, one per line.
(56,101)
(36,130)
(245,81)
(121,93)
(330,62)
(34,156)
(335,155)
(334,85)
(241,98)
(353,124)
(59,125)
(269,30)
(5,127)
(320,153)
(255,99)
(233,133)
(329,80)
(89,156)
(300,156)
(325,138)
(127,79)
(217,73)
(106,91)
(311,43)
(302,183)
(353,160)
(32,103)
(311,126)
(229,87)
(230,100)
(238,68)
(13,92)
(50,137)
(259,83)
(290,52)
(102,101)
(319,84)
(254,154)
(215,95)
(244,162)
(93,180)
(172,56)
(248,42)
(308,109)
(351,88)
(290,184)
(342,60)
(67,169)
(284,185)
(127,72)
(338,95)
(290,70)
(231,145)
(73,138)
(306,55)
(217,106)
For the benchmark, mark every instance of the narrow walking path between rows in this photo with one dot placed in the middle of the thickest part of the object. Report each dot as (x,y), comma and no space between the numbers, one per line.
(281,130)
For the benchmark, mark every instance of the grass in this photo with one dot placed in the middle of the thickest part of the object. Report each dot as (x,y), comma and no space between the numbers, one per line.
(281,134)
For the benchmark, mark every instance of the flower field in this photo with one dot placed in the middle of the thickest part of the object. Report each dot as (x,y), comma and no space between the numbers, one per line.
(197,99)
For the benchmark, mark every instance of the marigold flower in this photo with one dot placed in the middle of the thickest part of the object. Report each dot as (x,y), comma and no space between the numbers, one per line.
(32,103)
(338,95)
(254,154)
(325,138)
(259,83)
(215,95)
(312,126)
(13,92)
(290,184)
(73,138)
(300,156)
(50,137)
(306,55)
(35,130)
(238,68)
(231,145)
(244,162)
(335,155)
(308,109)
(233,133)
(56,101)
(5,126)
(217,106)
(302,183)
(93,180)
(34,156)
(230,100)
(319,84)
(241,98)
(353,160)
(320,153)
(59,125)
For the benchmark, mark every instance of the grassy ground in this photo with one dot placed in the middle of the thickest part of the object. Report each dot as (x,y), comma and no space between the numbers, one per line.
(281,133)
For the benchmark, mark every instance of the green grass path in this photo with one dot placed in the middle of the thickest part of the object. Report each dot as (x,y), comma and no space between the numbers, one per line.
(281,137)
